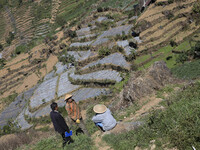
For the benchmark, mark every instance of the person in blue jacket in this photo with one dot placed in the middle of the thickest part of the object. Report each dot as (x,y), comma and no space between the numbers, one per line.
(59,124)
(103,118)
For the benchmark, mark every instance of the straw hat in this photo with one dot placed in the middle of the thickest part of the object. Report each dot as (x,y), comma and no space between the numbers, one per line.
(99,108)
(67,96)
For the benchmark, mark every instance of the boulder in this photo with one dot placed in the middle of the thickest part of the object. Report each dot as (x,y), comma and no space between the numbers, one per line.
(142,84)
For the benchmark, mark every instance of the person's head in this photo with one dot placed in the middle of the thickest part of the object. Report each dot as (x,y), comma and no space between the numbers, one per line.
(99,108)
(54,106)
(68,98)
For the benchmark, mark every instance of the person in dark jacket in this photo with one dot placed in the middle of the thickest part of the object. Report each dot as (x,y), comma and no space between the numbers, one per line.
(59,124)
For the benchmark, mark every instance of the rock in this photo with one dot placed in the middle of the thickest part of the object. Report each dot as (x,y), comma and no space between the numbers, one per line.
(140,85)
(21,122)
(100,41)
(0,55)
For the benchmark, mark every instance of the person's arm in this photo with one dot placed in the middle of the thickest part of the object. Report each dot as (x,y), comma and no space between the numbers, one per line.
(97,118)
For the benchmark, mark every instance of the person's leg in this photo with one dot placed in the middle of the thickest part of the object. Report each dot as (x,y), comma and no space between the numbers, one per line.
(82,126)
(66,140)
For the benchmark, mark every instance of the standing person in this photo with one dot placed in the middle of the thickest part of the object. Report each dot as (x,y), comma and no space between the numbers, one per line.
(59,124)
(74,113)
(103,118)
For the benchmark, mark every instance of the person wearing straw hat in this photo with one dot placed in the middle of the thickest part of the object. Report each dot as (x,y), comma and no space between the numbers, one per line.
(103,118)
(74,113)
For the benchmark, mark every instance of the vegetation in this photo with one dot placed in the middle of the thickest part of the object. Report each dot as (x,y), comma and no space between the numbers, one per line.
(103,51)
(2,63)
(9,99)
(10,38)
(196,7)
(193,53)
(177,126)
(55,142)
(189,70)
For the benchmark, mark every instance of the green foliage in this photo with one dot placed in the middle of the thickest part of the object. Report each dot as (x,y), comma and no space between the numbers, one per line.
(65,59)
(189,70)
(100,9)
(10,38)
(2,3)
(173,43)
(103,51)
(2,63)
(9,99)
(182,58)
(60,20)
(170,1)
(9,128)
(91,127)
(21,49)
(82,142)
(1,47)
(196,7)
(177,126)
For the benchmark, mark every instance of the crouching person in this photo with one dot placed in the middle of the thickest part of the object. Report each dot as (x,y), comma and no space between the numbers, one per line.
(59,124)
(103,118)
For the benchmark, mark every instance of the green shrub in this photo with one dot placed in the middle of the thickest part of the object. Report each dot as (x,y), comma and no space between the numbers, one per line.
(170,1)
(10,38)
(100,9)
(60,20)
(173,43)
(2,63)
(196,7)
(103,51)
(9,99)
(21,49)
(181,58)
(177,126)
(1,47)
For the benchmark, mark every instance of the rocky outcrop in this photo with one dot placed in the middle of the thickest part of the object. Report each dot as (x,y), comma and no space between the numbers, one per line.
(142,84)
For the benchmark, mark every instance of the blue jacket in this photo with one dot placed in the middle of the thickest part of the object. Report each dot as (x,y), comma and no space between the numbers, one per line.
(106,119)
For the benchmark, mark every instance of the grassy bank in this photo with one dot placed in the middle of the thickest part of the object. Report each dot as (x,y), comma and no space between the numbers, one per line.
(177,126)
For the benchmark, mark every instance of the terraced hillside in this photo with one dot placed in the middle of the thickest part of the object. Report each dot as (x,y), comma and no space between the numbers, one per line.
(163,22)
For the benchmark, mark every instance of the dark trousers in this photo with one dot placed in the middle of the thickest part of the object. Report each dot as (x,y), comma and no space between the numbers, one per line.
(66,140)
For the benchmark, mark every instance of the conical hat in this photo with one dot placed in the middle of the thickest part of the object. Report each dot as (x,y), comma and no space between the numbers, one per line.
(67,96)
(99,108)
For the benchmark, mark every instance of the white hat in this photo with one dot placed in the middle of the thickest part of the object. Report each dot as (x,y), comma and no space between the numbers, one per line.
(99,108)
(67,96)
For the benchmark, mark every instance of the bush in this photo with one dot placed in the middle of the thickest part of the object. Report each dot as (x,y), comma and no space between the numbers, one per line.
(21,49)
(10,38)
(99,9)
(182,58)
(170,1)
(177,126)
(2,63)
(103,51)
(173,43)
(60,20)
(196,7)
(1,47)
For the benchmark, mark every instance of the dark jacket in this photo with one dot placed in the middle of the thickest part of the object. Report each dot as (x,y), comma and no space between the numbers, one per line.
(58,122)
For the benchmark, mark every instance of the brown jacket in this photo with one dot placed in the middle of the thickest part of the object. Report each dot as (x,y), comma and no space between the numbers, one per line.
(73,110)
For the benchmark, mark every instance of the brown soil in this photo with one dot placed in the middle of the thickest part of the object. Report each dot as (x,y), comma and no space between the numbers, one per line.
(52,60)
